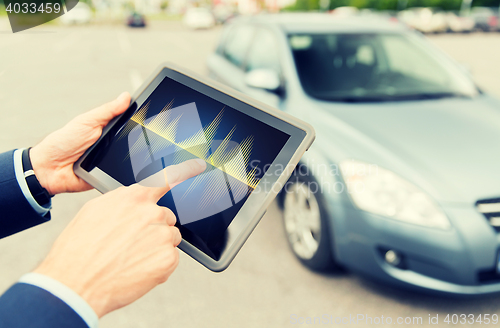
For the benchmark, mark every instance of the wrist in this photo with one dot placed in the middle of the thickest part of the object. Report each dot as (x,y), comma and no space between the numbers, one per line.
(92,296)
(40,168)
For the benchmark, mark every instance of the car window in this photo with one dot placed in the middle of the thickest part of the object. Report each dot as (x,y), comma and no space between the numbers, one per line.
(374,67)
(263,52)
(407,60)
(237,43)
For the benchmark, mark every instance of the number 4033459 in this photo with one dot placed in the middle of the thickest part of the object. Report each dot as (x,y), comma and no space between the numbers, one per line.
(471,319)
(33,8)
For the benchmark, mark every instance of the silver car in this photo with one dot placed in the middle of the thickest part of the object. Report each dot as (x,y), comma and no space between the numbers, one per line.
(403,181)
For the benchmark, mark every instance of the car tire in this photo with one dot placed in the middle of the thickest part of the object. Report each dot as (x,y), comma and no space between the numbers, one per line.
(305,220)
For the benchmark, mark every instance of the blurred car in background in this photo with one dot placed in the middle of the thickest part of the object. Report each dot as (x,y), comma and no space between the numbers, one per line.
(345,11)
(223,13)
(425,20)
(390,15)
(80,14)
(198,18)
(486,19)
(402,183)
(459,24)
(136,19)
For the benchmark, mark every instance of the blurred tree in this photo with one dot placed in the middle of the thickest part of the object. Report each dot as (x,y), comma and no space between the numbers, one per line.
(306,5)
(303,5)
(486,3)
(339,3)
(385,4)
(443,4)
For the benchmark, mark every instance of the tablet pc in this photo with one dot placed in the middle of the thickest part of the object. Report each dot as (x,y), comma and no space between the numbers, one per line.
(250,150)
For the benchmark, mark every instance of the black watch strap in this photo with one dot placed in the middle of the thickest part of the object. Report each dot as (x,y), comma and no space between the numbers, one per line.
(39,193)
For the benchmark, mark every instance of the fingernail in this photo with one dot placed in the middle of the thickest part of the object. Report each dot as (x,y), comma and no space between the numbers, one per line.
(201,162)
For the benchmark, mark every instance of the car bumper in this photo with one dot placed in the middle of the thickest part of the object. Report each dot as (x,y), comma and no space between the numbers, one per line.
(459,261)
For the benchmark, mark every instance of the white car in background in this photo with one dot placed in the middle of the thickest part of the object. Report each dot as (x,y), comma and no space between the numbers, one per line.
(425,20)
(459,23)
(198,18)
(345,11)
(80,14)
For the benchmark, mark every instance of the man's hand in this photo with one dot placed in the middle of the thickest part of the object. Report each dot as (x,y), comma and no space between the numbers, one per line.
(120,245)
(53,158)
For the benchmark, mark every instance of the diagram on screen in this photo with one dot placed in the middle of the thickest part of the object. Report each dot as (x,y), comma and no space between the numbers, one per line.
(175,135)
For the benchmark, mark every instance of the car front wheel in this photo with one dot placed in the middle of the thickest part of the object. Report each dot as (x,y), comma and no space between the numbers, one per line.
(306,226)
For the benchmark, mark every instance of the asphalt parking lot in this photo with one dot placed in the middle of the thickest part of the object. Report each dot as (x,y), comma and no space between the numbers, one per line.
(50,74)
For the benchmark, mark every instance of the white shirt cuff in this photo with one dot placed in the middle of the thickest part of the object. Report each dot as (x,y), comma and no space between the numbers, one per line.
(66,294)
(21,180)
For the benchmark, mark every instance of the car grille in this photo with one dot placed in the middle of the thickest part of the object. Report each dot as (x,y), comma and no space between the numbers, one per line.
(491,210)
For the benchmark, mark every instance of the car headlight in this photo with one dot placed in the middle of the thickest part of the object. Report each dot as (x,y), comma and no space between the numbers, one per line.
(381,191)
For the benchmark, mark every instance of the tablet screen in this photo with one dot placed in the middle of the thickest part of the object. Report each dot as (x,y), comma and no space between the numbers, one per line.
(174,124)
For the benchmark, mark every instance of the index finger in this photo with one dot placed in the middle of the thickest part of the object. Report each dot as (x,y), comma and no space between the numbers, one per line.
(161,182)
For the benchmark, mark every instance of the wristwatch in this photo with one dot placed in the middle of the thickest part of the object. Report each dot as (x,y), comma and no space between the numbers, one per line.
(39,193)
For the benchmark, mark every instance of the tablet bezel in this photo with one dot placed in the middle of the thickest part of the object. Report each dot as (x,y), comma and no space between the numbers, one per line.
(256,204)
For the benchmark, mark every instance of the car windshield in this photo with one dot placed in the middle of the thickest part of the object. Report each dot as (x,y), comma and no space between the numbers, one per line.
(375,67)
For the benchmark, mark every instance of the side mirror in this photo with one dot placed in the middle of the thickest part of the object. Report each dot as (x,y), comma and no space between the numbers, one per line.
(263,78)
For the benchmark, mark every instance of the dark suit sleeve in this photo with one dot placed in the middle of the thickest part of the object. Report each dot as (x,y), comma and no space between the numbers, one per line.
(24,305)
(28,306)
(16,214)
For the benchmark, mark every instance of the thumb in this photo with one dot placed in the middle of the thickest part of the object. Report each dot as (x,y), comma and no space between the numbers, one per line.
(105,113)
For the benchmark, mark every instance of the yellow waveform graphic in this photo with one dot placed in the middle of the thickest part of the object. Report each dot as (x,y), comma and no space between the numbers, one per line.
(231,160)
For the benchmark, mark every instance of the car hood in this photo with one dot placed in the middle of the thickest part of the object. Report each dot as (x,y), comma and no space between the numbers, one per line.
(449,147)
